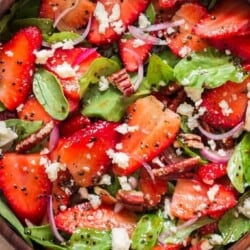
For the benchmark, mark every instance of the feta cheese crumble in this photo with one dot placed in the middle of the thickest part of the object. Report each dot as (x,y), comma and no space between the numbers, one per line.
(120,239)
(125,128)
(119,158)
(7,136)
(226,111)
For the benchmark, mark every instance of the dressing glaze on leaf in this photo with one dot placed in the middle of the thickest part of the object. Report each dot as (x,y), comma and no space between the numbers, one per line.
(49,93)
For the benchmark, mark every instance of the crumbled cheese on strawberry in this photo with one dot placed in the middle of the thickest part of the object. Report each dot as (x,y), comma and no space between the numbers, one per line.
(185,50)
(120,239)
(7,135)
(119,158)
(170,30)
(125,185)
(9,53)
(143,21)
(197,188)
(103,83)
(201,207)
(118,27)
(138,42)
(115,14)
(65,70)
(119,146)
(94,200)
(193,93)
(66,44)
(185,109)
(125,128)
(102,17)
(226,111)
(245,208)
(215,239)
(105,180)
(227,52)
(52,169)
(43,55)
(212,192)
(20,107)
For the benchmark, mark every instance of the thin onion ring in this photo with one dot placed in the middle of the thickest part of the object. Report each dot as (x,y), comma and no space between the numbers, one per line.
(162,26)
(214,156)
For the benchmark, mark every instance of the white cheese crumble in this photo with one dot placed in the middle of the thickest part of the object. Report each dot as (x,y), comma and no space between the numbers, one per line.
(125,185)
(105,180)
(211,144)
(245,208)
(193,93)
(7,136)
(9,53)
(103,83)
(138,42)
(143,21)
(125,128)
(185,109)
(52,169)
(43,55)
(167,209)
(226,111)
(119,158)
(185,50)
(65,70)
(118,27)
(94,200)
(212,192)
(120,239)
(205,245)
(115,14)
(83,191)
(215,239)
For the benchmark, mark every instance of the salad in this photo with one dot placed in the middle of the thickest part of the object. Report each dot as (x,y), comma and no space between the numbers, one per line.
(125,124)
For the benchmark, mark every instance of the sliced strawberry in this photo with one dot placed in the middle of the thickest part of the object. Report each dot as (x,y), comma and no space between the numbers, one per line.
(192,197)
(156,130)
(129,61)
(129,12)
(32,110)
(103,218)
(70,58)
(76,18)
(25,185)
(168,247)
(225,105)
(17,62)
(167,4)
(228,18)
(73,123)
(238,45)
(153,189)
(183,41)
(208,173)
(84,152)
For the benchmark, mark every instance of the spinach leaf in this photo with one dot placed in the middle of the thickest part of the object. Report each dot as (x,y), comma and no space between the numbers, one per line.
(2,108)
(101,66)
(61,37)
(209,69)
(234,225)
(23,128)
(49,93)
(147,231)
(159,73)
(90,239)
(238,165)
(8,215)
(183,233)
(150,13)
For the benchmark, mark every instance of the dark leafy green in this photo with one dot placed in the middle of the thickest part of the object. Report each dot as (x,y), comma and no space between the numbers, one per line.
(209,3)
(23,128)
(2,108)
(234,225)
(209,69)
(147,231)
(49,93)
(90,239)
(61,37)
(150,13)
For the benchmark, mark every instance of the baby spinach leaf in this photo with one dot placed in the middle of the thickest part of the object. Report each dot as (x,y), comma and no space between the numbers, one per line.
(90,239)
(61,37)
(147,231)
(234,225)
(209,69)
(2,108)
(9,216)
(159,73)
(49,93)
(101,66)
(150,13)
(238,165)
(183,233)
(23,128)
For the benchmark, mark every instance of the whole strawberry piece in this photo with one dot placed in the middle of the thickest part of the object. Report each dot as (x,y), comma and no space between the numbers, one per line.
(25,185)
(17,62)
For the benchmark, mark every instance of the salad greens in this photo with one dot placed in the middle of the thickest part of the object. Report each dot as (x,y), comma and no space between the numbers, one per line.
(150,198)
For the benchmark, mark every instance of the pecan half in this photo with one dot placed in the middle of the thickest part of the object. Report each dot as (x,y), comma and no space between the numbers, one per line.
(35,138)
(191,140)
(105,196)
(131,197)
(121,80)
(178,167)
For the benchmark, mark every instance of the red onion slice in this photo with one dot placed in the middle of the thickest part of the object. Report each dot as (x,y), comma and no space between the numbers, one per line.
(86,53)
(222,136)
(162,26)
(54,138)
(139,34)
(214,156)
(149,170)
(52,221)
(64,13)
(140,68)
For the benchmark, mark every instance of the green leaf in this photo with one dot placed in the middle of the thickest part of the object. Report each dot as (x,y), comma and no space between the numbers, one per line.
(49,93)
(159,73)
(2,108)
(183,233)
(23,128)
(208,69)
(209,4)
(90,239)
(43,236)
(27,9)
(101,66)
(61,37)
(150,13)
(168,56)
(238,165)
(232,226)
(108,105)
(8,215)
(147,231)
